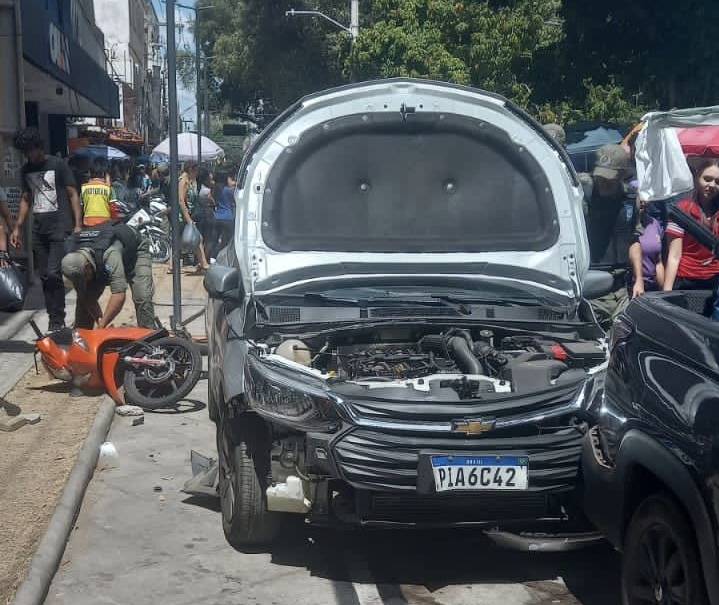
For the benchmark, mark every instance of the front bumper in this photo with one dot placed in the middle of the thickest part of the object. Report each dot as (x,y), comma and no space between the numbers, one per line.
(367,477)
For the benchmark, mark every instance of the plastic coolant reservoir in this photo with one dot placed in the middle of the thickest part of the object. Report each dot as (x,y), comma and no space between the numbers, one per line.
(288,497)
(295,350)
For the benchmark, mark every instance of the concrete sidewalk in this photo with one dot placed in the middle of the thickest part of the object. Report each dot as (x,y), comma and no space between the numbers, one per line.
(38,458)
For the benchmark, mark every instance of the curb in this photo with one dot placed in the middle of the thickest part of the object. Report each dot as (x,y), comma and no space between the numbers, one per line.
(49,552)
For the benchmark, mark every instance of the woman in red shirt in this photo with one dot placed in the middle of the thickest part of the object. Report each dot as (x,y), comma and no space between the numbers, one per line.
(690,265)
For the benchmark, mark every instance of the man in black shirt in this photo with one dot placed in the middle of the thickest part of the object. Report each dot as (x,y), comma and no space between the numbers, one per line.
(49,191)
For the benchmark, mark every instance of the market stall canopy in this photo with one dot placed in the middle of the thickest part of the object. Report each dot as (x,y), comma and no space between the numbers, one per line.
(586,141)
(101,151)
(187,148)
(700,141)
(662,169)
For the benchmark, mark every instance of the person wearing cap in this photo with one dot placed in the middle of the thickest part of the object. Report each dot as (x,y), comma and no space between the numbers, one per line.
(126,261)
(556,132)
(611,222)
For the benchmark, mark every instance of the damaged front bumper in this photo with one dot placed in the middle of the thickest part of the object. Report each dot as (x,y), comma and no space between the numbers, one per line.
(366,461)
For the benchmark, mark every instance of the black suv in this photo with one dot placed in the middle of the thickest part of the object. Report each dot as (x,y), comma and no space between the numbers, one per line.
(651,465)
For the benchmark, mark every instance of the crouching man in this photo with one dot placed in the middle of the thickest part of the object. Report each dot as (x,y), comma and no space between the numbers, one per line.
(115,256)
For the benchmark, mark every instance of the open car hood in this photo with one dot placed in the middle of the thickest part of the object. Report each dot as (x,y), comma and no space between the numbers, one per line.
(408,173)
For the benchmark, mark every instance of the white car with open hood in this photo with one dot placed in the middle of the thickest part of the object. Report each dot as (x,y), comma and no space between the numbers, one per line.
(398,333)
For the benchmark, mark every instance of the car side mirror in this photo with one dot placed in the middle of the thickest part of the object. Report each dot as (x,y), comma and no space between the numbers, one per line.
(223,282)
(597,284)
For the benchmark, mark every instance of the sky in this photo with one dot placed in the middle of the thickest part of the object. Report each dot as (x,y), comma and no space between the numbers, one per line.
(183,37)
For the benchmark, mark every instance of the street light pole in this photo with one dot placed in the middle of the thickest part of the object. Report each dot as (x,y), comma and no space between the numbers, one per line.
(352,30)
(176,321)
(354,20)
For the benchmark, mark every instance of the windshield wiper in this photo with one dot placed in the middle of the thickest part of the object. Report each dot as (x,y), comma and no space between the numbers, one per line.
(504,301)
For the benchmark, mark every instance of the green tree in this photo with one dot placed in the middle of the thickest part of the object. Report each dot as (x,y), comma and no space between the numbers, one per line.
(486,44)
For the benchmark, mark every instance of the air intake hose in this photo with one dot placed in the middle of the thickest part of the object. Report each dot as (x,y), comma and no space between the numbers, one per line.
(463,356)
(458,347)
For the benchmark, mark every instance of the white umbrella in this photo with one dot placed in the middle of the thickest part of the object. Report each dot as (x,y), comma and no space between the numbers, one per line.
(187,148)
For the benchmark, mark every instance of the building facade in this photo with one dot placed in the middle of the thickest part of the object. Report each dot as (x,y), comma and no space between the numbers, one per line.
(131,34)
(52,68)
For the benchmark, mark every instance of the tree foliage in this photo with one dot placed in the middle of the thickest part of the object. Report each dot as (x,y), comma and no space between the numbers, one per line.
(563,60)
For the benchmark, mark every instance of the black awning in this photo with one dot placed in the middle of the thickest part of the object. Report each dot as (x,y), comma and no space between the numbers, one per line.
(47,46)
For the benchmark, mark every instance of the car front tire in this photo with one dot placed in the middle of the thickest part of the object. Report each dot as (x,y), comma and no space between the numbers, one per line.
(661,561)
(244,466)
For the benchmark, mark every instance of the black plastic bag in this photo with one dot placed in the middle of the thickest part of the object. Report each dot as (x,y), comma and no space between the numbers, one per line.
(12,289)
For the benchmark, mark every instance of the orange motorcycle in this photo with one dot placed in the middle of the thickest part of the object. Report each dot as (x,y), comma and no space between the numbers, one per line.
(156,370)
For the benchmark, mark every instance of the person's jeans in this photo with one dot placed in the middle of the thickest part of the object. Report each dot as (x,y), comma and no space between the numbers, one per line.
(223,235)
(49,248)
(143,290)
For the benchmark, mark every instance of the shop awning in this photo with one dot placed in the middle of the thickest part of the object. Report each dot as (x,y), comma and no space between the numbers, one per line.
(51,51)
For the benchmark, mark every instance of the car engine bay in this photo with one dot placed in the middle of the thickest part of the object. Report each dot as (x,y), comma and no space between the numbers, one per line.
(449,364)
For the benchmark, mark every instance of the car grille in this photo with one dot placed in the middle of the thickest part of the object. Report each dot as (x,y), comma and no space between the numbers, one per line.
(498,406)
(455,508)
(388,461)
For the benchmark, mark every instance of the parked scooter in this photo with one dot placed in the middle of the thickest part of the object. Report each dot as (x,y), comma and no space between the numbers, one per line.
(156,370)
(151,222)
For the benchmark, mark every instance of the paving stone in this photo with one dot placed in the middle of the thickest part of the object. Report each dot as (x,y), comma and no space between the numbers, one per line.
(11,423)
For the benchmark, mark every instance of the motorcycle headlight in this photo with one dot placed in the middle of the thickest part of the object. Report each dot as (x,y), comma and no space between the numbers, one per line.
(286,400)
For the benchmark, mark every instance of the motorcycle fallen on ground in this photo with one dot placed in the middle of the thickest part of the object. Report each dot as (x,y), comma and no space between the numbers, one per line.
(155,370)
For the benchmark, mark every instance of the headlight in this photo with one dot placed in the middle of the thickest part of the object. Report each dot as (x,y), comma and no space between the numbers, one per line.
(281,398)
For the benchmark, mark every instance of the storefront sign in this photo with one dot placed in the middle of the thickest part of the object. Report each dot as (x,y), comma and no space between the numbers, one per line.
(59,48)
(56,52)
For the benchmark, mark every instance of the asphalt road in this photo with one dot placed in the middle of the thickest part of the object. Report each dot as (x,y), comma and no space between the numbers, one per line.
(134,544)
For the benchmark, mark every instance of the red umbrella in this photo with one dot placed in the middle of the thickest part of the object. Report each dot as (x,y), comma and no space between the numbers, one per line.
(700,141)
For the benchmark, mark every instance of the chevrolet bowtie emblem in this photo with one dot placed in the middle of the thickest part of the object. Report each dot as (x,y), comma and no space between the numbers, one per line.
(472,427)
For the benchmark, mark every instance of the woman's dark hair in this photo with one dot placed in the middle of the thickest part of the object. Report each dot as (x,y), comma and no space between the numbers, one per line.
(700,166)
(28,139)
(189,165)
(115,170)
(204,177)
(98,170)
(135,179)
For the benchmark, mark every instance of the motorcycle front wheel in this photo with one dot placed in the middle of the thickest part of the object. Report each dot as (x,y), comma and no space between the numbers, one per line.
(160,249)
(154,387)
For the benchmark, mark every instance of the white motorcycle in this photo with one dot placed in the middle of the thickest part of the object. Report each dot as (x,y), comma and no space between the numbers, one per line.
(151,222)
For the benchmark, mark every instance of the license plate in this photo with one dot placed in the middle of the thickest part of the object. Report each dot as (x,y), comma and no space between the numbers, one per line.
(457,473)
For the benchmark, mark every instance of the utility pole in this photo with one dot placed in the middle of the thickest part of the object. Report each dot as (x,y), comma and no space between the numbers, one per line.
(198,94)
(206,102)
(198,91)
(354,20)
(176,322)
